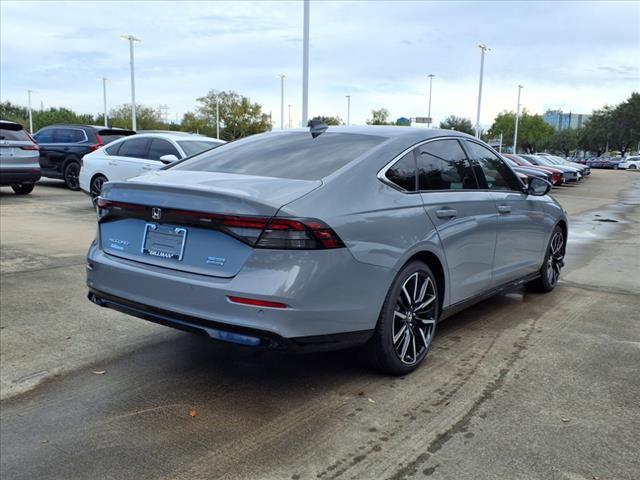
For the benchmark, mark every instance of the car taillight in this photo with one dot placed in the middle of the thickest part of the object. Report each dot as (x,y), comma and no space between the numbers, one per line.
(96,146)
(259,232)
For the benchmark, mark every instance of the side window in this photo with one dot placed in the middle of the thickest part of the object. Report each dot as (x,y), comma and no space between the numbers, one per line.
(497,175)
(44,136)
(68,135)
(160,147)
(134,147)
(443,165)
(113,149)
(403,172)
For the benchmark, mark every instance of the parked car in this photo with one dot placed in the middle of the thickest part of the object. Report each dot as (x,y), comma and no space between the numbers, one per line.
(19,153)
(359,235)
(63,146)
(569,174)
(557,177)
(630,163)
(584,169)
(133,156)
(528,172)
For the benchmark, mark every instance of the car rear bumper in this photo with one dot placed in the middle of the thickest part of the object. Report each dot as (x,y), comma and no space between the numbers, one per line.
(326,292)
(13,176)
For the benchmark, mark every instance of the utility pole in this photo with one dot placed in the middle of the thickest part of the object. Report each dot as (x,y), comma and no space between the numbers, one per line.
(348,109)
(282,77)
(163,111)
(30,116)
(104,99)
(131,39)
(500,146)
(305,65)
(515,133)
(218,116)
(431,75)
(289,115)
(483,49)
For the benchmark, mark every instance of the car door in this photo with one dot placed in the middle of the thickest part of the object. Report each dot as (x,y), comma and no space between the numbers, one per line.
(44,138)
(464,216)
(159,148)
(521,218)
(65,143)
(130,158)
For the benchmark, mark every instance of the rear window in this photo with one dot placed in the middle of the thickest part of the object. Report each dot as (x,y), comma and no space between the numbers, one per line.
(109,136)
(14,135)
(196,146)
(291,155)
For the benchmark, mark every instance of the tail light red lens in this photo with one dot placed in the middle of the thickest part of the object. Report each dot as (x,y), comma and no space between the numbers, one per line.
(259,232)
(256,302)
(100,143)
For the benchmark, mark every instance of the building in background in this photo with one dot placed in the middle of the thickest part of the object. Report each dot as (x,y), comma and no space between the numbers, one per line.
(561,121)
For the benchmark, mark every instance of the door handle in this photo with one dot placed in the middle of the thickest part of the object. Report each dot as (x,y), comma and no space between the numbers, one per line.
(446,213)
(113,163)
(147,167)
(504,209)
(66,149)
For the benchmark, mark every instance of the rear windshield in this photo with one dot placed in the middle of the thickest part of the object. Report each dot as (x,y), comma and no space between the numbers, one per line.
(291,155)
(191,147)
(109,136)
(14,135)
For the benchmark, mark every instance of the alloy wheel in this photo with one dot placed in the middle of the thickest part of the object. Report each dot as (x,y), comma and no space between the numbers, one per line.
(414,318)
(71,175)
(555,262)
(96,186)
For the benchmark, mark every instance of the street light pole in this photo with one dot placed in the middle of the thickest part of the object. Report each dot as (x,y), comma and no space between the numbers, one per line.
(289,115)
(431,75)
(348,109)
(282,77)
(217,116)
(305,65)
(483,49)
(30,116)
(515,133)
(104,98)
(131,39)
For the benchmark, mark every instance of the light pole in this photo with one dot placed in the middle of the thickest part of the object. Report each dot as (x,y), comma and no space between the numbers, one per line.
(131,39)
(289,115)
(515,133)
(431,75)
(483,49)
(29,105)
(348,97)
(104,98)
(282,77)
(305,65)
(218,116)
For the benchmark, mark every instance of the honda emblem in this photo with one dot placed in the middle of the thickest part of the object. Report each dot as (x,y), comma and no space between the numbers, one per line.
(156,213)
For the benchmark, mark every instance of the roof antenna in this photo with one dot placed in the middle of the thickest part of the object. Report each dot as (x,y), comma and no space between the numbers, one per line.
(317,127)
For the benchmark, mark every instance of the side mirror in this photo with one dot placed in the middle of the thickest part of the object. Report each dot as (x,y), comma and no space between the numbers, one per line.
(168,158)
(538,187)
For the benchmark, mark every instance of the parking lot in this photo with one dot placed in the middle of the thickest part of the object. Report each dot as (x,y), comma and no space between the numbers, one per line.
(519,386)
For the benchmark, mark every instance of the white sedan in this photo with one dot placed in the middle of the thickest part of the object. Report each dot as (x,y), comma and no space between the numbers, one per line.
(630,163)
(137,154)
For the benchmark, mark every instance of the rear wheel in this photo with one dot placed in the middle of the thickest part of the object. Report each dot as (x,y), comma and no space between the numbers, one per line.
(553,263)
(71,175)
(96,185)
(407,322)
(23,188)
(632,166)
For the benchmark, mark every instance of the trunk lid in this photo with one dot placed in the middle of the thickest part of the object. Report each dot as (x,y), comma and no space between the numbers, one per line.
(158,219)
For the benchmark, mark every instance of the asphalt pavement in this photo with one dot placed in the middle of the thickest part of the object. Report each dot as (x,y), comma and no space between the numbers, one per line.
(520,386)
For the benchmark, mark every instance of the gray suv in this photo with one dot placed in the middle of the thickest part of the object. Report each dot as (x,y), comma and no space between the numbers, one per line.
(345,236)
(19,158)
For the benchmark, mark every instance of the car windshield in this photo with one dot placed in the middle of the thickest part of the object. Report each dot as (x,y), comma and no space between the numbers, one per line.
(193,147)
(293,155)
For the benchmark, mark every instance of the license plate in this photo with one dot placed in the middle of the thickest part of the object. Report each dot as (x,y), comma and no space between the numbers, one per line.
(164,241)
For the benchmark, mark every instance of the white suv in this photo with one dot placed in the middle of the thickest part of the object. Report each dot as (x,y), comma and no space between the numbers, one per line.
(134,155)
(630,163)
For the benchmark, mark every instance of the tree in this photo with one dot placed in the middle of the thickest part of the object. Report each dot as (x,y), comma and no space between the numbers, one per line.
(594,136)
(379,117)
(147,118)
(14,113)
(327,119)
(533,131)
(459,124)
(563,141)
(625,124)
(238,116)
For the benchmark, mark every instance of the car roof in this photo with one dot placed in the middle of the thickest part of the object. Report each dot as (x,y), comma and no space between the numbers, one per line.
(177,136)
(94,127)
(390,131)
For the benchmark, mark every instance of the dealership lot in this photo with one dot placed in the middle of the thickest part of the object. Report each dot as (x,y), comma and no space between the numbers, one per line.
(520,386)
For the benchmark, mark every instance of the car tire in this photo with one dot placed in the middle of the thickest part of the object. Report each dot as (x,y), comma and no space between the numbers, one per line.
(71,175)
(552,265)
(96,185)
(407,321)
(23,188)
(632,167)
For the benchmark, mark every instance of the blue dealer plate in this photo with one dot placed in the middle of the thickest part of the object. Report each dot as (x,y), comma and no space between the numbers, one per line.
(164,241)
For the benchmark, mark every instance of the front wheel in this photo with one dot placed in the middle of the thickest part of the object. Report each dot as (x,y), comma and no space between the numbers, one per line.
(71,175)
(407,322)
(553,263)
(23,188)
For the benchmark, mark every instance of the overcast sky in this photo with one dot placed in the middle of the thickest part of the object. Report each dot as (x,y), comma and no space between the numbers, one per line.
(576,56)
